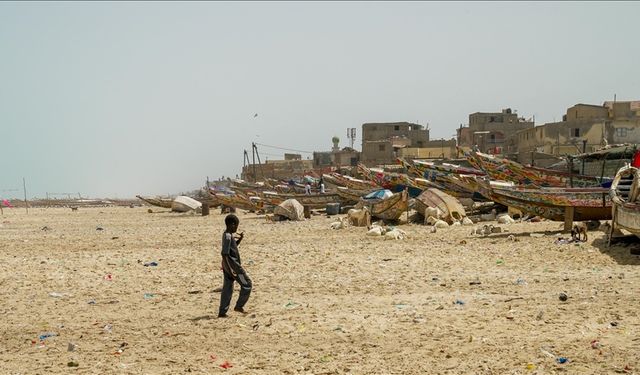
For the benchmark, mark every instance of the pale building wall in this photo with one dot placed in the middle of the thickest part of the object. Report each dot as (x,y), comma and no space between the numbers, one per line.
(586,111)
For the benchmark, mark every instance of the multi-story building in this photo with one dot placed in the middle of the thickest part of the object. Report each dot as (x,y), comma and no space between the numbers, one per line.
(584,128)
(381,142)
(489,131)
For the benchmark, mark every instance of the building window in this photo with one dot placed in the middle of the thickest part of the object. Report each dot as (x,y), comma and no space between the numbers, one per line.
(396,127)
(380,147)
(576,132)
(420,143)
(621,132)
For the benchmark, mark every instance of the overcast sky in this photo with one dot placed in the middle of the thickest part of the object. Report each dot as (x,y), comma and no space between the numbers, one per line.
(114,99)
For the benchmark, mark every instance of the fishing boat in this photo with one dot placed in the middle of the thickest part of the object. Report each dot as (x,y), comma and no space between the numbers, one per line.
(558,204)
(509,170)
(159,202)
(625,212)
(447,169)
(386,208)
(396,182)
(450,207)
(349,182)
(351,195)
(185,204)
(448,182)
(311,201)
(240,201)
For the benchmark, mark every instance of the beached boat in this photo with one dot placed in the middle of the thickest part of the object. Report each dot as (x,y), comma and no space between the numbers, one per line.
(159,202)
(448,182)
(446,168)
(240,201)
(625,212)
(509,170)
(351,195)
(396,182)
(311,201)
(390,208)
(558,204)
(450,207)
(185,204)
(349,182)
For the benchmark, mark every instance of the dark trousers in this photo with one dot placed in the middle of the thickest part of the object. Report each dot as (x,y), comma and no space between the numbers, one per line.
(227,291)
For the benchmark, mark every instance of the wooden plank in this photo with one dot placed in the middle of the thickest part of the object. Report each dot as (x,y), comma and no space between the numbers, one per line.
(568,218)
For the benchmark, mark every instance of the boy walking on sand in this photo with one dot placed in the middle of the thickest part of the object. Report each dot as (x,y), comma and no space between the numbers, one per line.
(232,268)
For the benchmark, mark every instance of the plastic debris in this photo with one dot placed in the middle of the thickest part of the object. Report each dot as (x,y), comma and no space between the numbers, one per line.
(149,295)
(530,366)
(121,348)
(226,365)
(46,335)
(595,344)
(108,328)
(459,302)
(91,302)
(108,277)
(499,261)
(563,297)
(56,295)
(562,360)
(151,264)
(290,305)
(72,364)
(71,347)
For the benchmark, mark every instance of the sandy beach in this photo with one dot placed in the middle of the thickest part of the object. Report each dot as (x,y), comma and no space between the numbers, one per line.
(324,301)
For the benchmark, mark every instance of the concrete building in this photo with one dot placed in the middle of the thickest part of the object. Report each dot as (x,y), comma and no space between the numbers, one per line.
(585,128)
(278,169)
(336,158)
(490,130)
(381,142)
(434,149)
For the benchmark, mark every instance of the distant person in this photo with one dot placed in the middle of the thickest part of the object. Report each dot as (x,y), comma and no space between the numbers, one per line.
(321,186)
(307,188)
(232,268)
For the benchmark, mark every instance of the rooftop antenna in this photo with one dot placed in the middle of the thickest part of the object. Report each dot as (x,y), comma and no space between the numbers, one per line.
(351,134)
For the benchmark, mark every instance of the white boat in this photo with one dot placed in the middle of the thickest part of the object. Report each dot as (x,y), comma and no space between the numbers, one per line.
(184,204)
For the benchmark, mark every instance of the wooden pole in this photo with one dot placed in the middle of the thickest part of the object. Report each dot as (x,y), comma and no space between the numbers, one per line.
(24,187)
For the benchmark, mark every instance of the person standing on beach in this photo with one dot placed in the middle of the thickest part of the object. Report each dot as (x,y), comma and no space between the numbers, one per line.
(321,186)
(307,188)
(232,269)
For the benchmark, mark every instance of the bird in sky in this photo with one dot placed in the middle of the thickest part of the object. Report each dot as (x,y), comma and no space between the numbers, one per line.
(256,115)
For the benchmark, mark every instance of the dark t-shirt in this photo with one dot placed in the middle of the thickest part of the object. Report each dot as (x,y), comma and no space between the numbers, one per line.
(230,255)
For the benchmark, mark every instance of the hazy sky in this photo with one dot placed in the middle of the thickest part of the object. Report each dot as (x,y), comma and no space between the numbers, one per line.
(117,99)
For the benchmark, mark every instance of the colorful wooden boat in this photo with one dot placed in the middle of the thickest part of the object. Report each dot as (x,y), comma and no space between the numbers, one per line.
(448,182)
(448,169)
(349,182)
(509,170)
(396,182)
(558,204)
(311,201)
(240,201)
(351,195)
(390,208)
(625,211)
(159,202)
